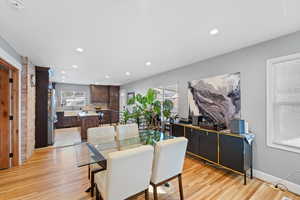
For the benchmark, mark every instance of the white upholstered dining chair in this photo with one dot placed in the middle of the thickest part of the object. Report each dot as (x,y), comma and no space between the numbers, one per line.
(128,173)
(168,163)
(125,131)
(99,135)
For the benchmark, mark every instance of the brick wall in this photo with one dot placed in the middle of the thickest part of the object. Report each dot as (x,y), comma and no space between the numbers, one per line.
(27,110)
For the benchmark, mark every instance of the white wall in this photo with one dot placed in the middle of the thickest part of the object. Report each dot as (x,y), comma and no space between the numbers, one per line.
(251,62)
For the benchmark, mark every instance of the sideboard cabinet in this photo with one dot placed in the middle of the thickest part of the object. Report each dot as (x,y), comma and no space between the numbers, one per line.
(226,150)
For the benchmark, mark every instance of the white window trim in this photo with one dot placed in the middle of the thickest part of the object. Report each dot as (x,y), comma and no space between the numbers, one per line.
(269,102)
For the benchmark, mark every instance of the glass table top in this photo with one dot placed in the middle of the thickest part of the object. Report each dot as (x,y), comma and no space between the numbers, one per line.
(87,153)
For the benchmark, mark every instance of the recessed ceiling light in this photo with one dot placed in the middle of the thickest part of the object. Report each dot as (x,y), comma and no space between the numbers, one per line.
(107,76)
(214,31)
(63,77)
(75,66)
(80,50)
(148,63)
(127,73)
(63,72)
(63,80)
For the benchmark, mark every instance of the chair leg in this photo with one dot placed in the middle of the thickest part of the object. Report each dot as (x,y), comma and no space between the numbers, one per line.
(147,194)
(155,192)
(92,183)
(98,197)
(180,187)
(89,175)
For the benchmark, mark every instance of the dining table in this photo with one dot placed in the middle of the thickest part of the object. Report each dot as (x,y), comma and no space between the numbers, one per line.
(97,152)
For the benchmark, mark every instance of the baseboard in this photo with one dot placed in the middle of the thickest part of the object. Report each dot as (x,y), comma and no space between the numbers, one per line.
(293,187)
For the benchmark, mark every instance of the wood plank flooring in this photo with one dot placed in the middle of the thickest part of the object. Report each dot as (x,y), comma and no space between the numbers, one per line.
(67,136)
(52,174)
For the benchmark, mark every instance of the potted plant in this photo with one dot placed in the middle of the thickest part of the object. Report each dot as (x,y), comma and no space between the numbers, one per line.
(147,107)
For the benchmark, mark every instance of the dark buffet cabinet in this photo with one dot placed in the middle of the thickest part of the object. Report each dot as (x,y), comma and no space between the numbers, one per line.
(226,150)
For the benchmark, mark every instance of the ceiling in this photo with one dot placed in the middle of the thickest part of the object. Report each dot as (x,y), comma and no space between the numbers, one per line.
(120,36)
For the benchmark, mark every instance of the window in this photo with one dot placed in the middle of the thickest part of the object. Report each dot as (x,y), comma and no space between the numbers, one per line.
(73,98)
(171,93)
(283,103)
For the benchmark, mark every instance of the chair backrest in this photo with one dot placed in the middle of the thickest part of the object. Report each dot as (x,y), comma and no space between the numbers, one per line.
(168,159)
(100,135)
(128,172)
(127,131)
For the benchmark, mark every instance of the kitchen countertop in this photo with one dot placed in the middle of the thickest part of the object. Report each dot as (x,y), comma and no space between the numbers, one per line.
(89,114)
(80,113)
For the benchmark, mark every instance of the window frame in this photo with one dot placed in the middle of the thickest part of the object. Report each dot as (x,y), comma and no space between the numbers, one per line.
(270,100)
(163,97)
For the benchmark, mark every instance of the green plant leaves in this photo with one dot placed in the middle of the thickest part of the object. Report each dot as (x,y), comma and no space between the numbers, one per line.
(151,96)
(148,107)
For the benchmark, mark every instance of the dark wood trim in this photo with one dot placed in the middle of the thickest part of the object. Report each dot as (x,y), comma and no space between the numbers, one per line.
(8,65)
(165,181)
(92,176)
(180,186)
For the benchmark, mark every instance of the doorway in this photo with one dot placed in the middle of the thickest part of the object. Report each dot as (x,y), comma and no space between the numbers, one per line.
(9,115)
(4,118)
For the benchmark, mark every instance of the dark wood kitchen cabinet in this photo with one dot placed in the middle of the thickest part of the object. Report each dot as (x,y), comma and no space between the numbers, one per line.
(41,107)
(110,96)
(113,103)
(66,121)
(99,93)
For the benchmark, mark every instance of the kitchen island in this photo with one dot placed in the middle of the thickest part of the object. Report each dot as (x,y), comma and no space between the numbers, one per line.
(87,120)
(95,119)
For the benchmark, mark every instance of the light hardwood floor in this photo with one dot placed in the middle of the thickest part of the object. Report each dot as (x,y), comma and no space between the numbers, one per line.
(52,174)
(67,136)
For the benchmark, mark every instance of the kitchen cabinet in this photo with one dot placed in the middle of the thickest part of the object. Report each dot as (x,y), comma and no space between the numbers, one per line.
(113,103)
(41,106)
(66,121)
(108,95)
(99,93)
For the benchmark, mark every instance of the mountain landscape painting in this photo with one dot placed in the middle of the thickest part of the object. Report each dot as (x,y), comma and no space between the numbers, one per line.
(217,99)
